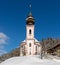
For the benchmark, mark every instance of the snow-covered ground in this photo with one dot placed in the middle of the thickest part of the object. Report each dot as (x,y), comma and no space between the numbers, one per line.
(30,60)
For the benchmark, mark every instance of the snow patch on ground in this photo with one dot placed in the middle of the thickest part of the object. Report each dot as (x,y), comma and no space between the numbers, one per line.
(30,60)
(57,60)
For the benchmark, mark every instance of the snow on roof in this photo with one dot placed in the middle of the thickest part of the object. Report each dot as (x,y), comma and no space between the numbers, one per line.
(24,41)
(34,39)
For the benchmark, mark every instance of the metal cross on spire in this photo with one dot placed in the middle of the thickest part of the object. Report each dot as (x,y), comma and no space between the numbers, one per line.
(30,6)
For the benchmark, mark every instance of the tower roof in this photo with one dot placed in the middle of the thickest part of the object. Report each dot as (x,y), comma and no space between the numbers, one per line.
(30,18)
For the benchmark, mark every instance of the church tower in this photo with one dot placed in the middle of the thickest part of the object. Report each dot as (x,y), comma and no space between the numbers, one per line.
(30,33)
(30,46)
(30,27)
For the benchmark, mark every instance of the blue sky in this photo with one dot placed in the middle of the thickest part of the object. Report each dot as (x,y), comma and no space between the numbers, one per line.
(13,15)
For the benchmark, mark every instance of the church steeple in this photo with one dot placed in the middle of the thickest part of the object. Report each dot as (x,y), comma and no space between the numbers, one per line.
(30,46)
(30,13)
(30,18)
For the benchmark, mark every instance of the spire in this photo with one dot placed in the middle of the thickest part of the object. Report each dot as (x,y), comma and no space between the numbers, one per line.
(30,14)
(30,18)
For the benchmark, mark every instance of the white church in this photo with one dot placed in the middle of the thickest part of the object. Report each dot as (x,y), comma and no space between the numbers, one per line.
(30,46)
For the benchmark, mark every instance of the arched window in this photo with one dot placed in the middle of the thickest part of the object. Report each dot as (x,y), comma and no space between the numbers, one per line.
(30,31)
(29,44)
